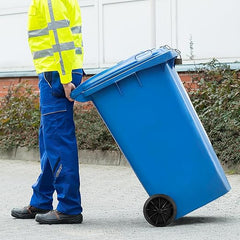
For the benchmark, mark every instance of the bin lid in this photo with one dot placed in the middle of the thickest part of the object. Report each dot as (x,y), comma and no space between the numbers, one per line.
(125,68)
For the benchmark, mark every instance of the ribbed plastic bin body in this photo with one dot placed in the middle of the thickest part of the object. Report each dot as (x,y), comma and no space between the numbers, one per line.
(147,110)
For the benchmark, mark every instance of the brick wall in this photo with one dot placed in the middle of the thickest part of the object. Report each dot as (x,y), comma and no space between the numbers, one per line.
(5,83)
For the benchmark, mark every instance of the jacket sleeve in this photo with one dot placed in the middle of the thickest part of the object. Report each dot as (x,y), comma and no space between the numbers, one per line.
(37,24)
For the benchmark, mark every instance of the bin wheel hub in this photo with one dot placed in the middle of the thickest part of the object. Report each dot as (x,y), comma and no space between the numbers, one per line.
(159,210)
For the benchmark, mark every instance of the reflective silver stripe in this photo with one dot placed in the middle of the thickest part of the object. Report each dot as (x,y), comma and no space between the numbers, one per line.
(38,33)
(54,112)
(78,50)
(43,53)
(64,46)
(76,30)
(49,52)
(59,170)
(54,27)
(45,31)
(58,24)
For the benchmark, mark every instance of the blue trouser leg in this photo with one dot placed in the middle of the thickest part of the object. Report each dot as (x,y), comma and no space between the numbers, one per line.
(59,154)
(43,188)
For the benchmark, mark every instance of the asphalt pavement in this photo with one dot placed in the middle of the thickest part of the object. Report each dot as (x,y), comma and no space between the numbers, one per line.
(112,199)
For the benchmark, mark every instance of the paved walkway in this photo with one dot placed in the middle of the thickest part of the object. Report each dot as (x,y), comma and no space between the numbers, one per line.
(112,198)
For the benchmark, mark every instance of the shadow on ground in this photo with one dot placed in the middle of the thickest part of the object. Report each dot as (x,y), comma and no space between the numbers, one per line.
(199,220)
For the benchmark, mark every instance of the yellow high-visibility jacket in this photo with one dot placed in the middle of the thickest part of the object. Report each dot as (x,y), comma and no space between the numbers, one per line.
(55,36)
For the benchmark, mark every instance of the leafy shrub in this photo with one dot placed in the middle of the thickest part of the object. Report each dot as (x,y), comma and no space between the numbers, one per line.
(91,132)
(217,102)
(20,118)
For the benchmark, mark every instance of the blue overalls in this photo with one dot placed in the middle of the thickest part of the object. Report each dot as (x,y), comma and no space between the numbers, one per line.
(58,148)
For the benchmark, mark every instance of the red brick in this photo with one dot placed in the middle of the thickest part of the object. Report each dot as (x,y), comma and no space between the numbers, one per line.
(5,82)
(31,81)
(185,77)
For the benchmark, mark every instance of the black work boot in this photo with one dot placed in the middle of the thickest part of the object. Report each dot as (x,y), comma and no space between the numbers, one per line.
(55,217)
(27,212)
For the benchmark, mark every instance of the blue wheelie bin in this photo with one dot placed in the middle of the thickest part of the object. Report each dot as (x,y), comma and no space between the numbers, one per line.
(148,112)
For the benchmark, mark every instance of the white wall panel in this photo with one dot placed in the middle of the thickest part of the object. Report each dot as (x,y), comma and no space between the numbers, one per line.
(213,25)
(164,17)
(13,4)
(126,29)
(90,34)
(14,49)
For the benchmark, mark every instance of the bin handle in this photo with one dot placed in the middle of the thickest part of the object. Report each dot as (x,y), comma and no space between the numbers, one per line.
(178,60)
(143,55)
(175,49)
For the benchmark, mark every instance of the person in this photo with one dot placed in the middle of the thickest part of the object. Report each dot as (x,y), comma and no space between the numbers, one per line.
(55,40)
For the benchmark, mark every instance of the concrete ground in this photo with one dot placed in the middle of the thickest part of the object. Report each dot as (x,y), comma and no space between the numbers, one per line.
(112,198)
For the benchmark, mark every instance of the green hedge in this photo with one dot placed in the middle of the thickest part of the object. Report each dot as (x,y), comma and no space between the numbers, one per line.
(19,118)
(217,102)
(91,132)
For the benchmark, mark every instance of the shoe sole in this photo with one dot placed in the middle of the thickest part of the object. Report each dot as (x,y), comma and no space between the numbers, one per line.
(25,216)
(75,220)
(22,216)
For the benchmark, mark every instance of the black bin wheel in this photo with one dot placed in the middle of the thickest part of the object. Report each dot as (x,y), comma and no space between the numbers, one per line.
(159,210)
